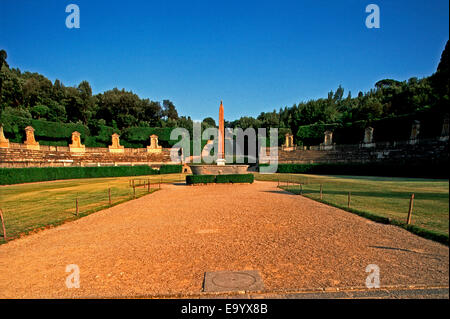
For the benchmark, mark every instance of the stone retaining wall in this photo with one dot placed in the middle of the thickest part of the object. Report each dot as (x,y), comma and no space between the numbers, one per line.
(430,150)
(18,155)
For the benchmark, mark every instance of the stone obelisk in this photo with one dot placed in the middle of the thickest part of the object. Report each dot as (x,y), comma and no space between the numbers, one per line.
(221,152)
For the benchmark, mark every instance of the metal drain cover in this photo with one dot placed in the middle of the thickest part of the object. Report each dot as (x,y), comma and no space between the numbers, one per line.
(220,281)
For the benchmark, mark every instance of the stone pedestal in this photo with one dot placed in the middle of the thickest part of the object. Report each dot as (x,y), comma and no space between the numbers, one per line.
(154,147)
(327,141)
(30,141)
(288,146)
(415,130)
(445,131)
(4,142)
(368,138)
(116,147)
(76,146)
(220,162)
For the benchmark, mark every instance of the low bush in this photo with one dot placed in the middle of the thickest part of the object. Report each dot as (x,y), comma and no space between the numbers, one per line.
(220,179)
(200,179)
(10,176)
(235,178)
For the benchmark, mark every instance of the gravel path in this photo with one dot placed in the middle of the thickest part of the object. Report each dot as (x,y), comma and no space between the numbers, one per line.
(163,243)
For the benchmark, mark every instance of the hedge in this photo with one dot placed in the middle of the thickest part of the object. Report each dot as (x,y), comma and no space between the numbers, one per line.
(200,179)
(171,169)
(313,134)
(140,136)
(10,176)
(235,178)
(229,178)
(46,133)
(425,169)
(60,134)
(388,129)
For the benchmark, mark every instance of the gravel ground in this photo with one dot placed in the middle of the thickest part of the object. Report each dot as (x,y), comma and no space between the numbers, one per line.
(163,243)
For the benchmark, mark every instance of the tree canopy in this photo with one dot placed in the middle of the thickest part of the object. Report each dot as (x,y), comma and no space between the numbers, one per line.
(32,95)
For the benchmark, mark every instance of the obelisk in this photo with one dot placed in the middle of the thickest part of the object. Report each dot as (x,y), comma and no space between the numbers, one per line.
(221,153)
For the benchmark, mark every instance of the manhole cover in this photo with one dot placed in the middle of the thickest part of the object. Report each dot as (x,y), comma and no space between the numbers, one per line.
(232,281)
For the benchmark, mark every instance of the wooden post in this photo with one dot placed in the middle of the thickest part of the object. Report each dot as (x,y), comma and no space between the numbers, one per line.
(411,205)
(3,224)
(109,195)
(321,192)
(349,199)
(76,206)
(159,183)
(134,192)
(148,186)
(301,189)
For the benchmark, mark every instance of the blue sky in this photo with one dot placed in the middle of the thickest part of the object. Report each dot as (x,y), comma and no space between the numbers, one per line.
(254,55)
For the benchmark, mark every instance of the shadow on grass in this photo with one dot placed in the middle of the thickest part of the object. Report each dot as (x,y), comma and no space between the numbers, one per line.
(401,195)
(425,233)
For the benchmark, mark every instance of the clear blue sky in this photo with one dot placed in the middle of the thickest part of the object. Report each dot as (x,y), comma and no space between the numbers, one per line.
(255,55)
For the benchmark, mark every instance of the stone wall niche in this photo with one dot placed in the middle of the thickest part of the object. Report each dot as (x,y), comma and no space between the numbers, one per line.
(116,147)
(30,141)
(154,147)
(4,142)
(76,146)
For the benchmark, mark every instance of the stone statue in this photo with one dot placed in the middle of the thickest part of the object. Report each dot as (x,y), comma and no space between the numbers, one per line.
(415,130)
(445,130)
(116,147)
(368,137)
(76,145)
(289,143)
(4,142)
(30,141)
(327,141)
(154,147)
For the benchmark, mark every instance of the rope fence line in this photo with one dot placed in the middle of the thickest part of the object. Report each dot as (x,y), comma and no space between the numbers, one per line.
(291,186)
(134,186)
(3,224)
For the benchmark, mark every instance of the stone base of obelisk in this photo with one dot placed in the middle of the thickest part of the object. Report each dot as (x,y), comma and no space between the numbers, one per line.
(218,169)
(220,162)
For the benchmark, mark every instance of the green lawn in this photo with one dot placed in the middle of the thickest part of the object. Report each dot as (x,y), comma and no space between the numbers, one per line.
(27,207)
(380,196)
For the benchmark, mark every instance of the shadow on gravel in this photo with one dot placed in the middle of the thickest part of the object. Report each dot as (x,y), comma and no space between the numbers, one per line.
(394,248)
(280,192)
